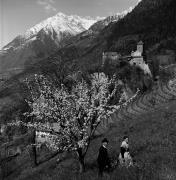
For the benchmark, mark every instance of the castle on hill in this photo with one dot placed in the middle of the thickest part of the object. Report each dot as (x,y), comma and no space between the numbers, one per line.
(135,58)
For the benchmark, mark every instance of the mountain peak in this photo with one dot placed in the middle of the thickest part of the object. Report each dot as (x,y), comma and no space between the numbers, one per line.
(70,24)
(60,14)
(62,22)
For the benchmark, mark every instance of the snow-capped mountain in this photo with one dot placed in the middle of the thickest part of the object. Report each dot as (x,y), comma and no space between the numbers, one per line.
(59,24)
(45,38)
(62,23)
(102,23)
(105,22)
(42,40)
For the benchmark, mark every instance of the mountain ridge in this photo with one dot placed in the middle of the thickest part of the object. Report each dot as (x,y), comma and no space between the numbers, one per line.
(48,36)
(42,40)
(57,22)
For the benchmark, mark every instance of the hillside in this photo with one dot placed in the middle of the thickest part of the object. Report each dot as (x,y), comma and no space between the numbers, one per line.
(148,118)
(151,144)
(152,21)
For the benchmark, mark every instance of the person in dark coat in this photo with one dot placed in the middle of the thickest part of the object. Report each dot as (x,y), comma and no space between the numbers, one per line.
(103,158)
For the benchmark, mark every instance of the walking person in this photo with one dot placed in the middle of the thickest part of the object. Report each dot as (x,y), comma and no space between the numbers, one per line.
(103,158)
(124,156)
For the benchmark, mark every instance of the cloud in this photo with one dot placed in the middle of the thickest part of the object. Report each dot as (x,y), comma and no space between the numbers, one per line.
(47,5)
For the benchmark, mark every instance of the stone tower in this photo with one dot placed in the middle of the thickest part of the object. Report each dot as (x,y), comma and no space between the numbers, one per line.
(140,47)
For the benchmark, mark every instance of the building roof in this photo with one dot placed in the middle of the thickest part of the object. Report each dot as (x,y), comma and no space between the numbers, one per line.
(140,43)
(111,53)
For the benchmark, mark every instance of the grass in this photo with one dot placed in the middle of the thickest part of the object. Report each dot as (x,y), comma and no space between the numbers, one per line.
(152,145)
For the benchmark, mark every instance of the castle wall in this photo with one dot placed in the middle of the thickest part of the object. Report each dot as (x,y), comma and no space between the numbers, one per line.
(110,57)
(137,61)
(140,48)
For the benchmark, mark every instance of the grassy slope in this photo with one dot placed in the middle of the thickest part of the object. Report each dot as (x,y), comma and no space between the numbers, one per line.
(152,143)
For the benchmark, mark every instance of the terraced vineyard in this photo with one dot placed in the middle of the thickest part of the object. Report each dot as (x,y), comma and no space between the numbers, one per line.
(142,104)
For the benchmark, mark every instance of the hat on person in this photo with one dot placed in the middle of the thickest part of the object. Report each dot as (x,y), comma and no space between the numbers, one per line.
(105,140)
(125,137)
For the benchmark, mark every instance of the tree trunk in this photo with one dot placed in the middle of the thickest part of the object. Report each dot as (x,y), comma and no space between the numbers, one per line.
(33,149)
(81,160)
(35,155)
(81,165)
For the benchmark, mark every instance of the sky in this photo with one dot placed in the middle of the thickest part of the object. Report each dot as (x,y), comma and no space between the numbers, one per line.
(16,16)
